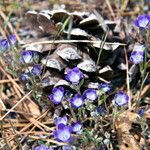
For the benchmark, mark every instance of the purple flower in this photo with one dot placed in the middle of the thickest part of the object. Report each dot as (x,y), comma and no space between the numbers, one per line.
(121,98)
(4,44)
(141,112)
(102,147)
(36,70)
(26,56)
(12,39)
(90,94)
(143,21)
(57,95)
(99,111)
(136,57)
(41,147)
(61,120)
(76,127)
(66,147)
(24,77)
(104,87)
(62,133)
(74,75)
(77,101)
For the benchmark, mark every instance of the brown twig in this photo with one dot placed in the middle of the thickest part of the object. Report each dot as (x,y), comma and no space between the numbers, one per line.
(7,81)
(20,112)
(47,140)
(2,31)
(29,125)
(15,105)
(69,41)
(10,25)
(16,91)
(110,9)
(18,87)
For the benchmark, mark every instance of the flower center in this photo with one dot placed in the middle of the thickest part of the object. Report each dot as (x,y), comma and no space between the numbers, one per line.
(105,89)
(64,135)
(74,77)
(77,128)
(144,22)
(120,99)
(58,95)
(137,57)
(27,58)
(91,96)
(78,102)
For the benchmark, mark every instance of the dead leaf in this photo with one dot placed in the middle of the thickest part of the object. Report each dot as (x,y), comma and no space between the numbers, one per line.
(123,124)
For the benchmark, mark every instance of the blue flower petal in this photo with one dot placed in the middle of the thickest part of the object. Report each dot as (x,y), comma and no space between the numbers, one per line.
(57,95)
(143,21)
(90,94)
(76,127)
(61,120)
(12,39)
(136,57)
(62,133)
(36,70)
(41,147)
(121,98)
(74,75)
(77,101)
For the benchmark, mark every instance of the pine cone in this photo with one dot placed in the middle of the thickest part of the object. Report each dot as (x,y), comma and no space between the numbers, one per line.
(81,39)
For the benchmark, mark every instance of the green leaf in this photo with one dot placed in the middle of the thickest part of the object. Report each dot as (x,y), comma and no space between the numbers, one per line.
(11,72)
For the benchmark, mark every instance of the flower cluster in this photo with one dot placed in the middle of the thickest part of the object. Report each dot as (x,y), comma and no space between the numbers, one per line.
(88,99)
(36,70)
(8,43)
(31,58)
(63,131)
(74,76)
(143,23)
(58,95)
